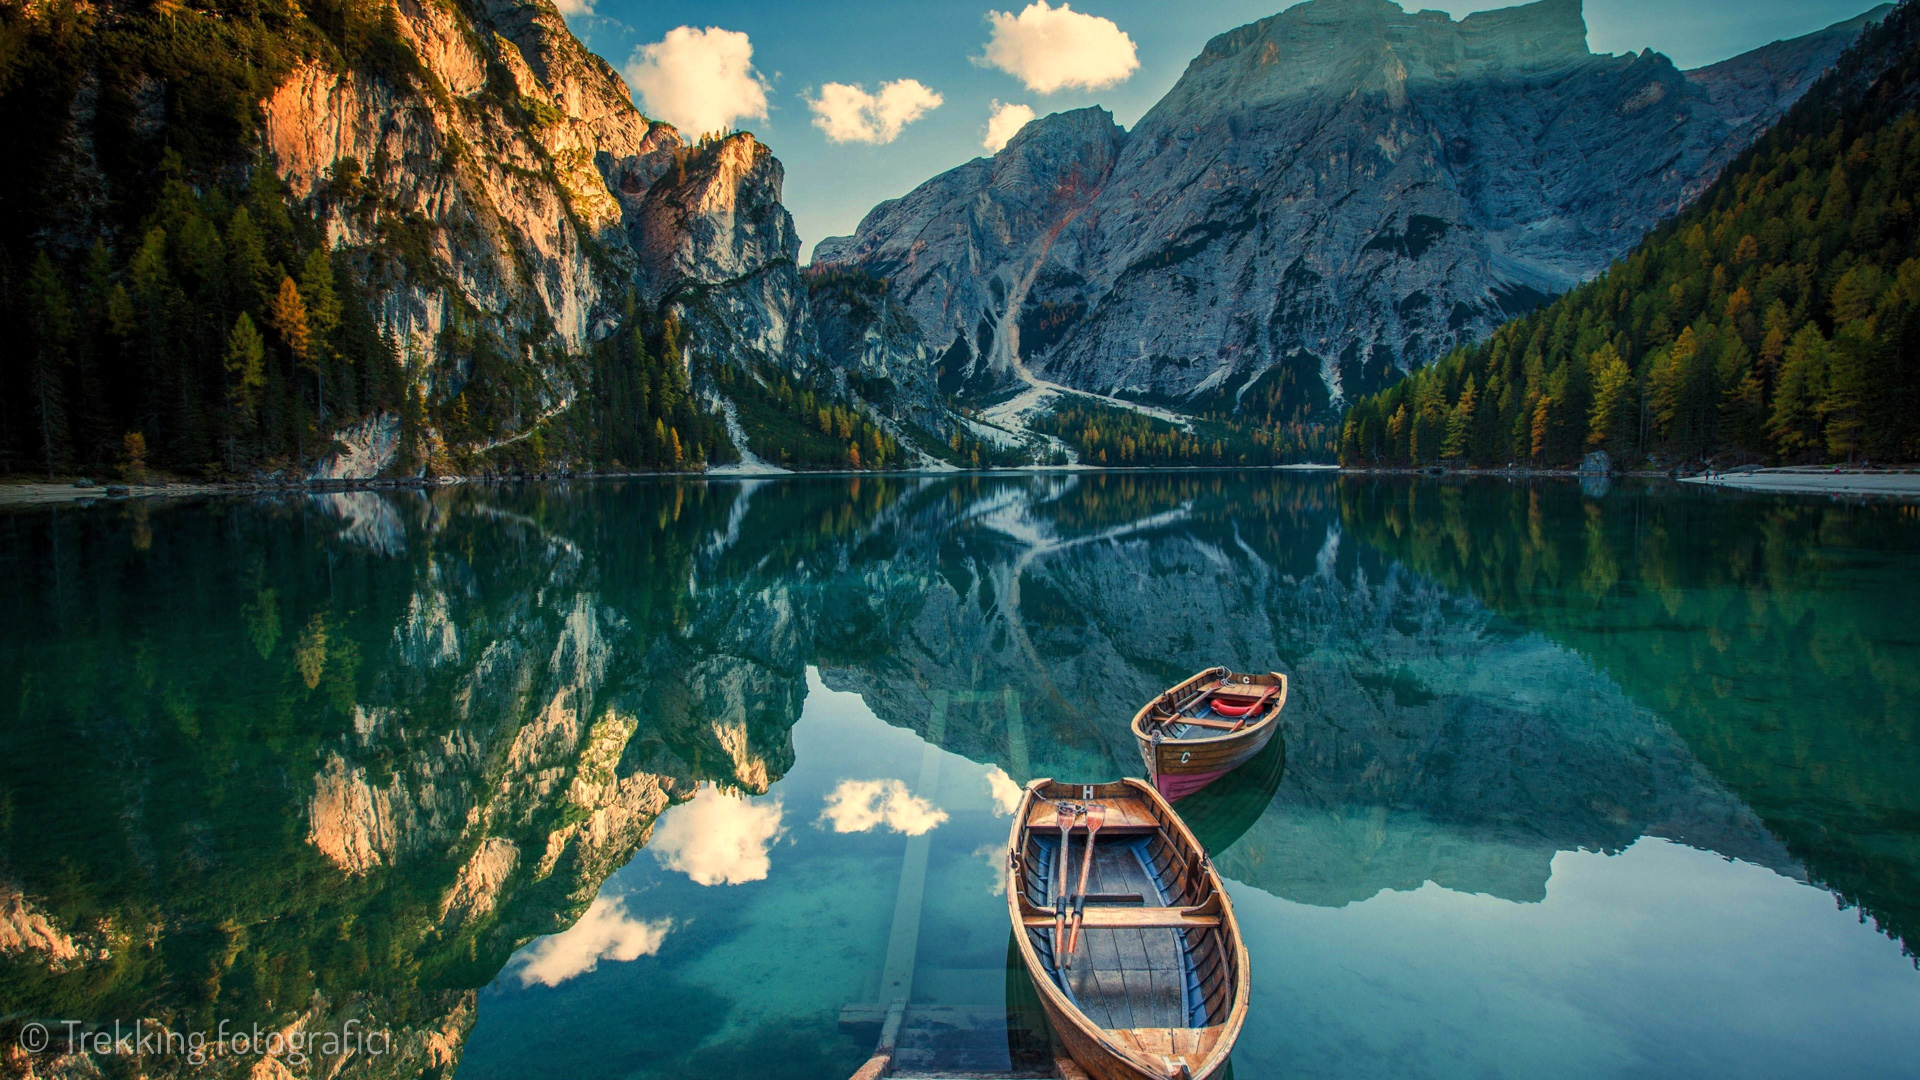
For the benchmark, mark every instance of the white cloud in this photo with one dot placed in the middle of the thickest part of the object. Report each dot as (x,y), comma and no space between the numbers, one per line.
(698,80)
(574,7)
(605,932)
(850,114)
(1051,48)
(717,838)
(1006,793)
(861,805)
(1006,122)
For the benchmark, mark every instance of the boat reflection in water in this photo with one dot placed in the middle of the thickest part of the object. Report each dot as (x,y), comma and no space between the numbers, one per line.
(1222,812)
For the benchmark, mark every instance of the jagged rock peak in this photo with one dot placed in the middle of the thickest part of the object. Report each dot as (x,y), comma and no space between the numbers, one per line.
(1336,42)
(1539,33)
(1092,124)
(1063,153)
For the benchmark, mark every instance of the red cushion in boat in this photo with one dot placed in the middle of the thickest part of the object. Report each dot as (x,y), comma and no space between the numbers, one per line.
(1240,706)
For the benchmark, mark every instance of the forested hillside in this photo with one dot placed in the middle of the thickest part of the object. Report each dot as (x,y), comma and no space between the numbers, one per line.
(1777,319)
(1108,435)
(178,305)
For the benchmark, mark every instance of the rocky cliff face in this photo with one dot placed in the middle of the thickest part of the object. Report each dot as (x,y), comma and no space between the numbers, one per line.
(878,345)
(1326,197)
(510,187)
(961,249)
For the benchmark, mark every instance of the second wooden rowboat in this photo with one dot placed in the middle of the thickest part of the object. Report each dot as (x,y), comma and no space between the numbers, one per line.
(1127,932)
(1206,726)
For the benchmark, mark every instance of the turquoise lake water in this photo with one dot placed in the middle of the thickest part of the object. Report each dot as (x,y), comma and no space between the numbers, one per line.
(649,779)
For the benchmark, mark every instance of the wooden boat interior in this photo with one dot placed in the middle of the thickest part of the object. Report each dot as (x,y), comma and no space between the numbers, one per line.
(1152,963)
(1216,706)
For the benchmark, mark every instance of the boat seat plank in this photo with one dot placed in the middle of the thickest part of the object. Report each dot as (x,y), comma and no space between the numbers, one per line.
(1122,815)
(1207,722)
(1132,918)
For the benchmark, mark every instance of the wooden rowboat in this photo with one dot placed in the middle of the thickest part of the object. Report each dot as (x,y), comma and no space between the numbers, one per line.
(1207,726)
(1130,938)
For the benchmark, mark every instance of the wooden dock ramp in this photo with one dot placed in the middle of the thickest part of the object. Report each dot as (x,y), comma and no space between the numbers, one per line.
(972,1032)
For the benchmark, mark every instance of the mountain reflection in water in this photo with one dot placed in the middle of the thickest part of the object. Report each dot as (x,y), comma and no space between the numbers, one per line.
(294,761)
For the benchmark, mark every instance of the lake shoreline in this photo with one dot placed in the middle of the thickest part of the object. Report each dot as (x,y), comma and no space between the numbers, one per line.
(1816,480)
(36,493)
(1794,480)
(1899,481)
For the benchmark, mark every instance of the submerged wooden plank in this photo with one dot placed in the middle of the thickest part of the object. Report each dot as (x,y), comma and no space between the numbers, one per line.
(903,942)
(1016,737)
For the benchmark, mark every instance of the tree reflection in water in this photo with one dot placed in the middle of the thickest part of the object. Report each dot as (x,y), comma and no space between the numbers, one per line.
(294,760)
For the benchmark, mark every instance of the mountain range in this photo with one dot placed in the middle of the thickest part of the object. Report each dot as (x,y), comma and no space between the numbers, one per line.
(437,236)
(1327,198)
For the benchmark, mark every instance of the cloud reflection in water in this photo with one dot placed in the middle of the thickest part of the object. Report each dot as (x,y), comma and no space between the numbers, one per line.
(605,932)
(863,805)
(717,838)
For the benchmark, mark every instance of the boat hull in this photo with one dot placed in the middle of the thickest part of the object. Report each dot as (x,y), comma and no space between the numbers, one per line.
(1097,1058)
(1214,758)
(1177,786)
(1225,810)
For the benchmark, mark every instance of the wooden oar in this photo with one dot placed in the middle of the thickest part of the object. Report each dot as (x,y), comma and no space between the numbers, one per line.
(1064,813)
(1197,695)
(1096,815)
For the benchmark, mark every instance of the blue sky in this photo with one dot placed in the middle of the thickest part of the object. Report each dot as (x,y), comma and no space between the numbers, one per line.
(929,49)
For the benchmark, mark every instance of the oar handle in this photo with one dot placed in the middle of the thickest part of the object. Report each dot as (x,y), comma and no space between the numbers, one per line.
(1064,813)
(1096,816)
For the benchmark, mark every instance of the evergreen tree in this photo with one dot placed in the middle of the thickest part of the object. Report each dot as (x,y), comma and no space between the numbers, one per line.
(1460,423)
(247,264)
(1794,424)
(49,327)
(1612,385)
(246,380)
(323,309)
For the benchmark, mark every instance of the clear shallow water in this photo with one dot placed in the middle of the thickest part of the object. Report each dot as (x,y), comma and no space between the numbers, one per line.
(621,779)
